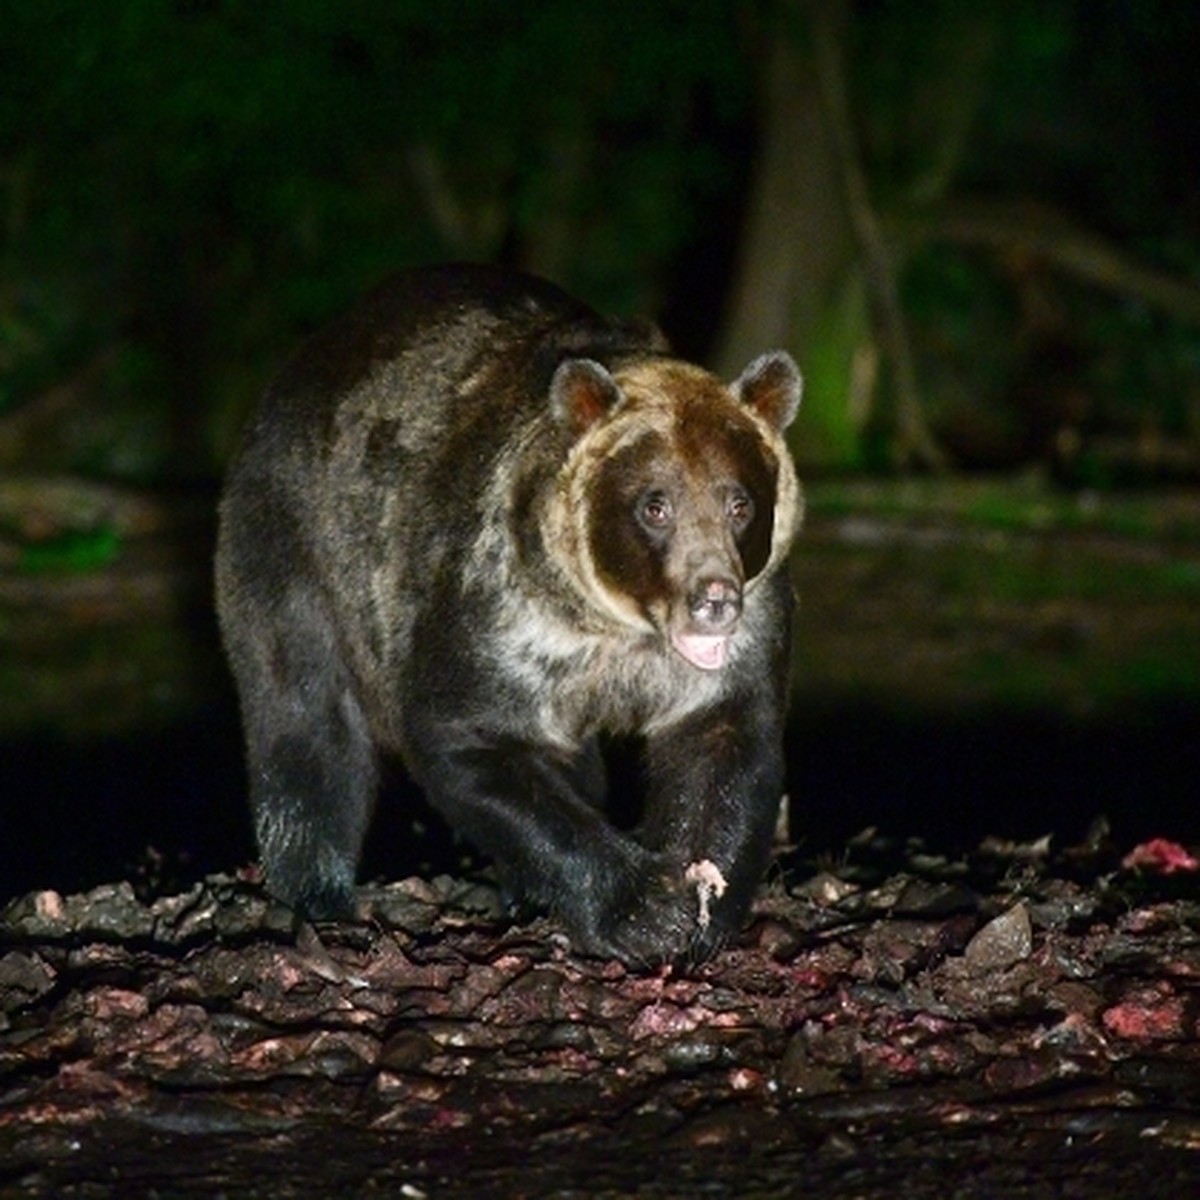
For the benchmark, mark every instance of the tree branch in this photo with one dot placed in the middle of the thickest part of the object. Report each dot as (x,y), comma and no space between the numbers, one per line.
(1040,232)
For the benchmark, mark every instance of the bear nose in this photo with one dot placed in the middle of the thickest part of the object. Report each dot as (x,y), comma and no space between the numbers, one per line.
(716,603)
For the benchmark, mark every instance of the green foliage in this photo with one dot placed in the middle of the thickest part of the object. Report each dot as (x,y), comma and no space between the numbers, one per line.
(188,185)
(205,180)
(73,551)
(1080,108)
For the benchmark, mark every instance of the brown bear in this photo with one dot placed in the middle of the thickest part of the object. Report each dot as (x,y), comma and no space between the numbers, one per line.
(478,526)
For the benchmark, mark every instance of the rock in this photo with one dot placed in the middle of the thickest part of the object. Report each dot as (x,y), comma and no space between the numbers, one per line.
(1003,941)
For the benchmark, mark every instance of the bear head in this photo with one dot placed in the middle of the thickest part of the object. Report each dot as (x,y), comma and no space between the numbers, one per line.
(678,495)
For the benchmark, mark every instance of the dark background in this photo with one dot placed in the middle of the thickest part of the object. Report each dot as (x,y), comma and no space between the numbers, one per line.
(976,226)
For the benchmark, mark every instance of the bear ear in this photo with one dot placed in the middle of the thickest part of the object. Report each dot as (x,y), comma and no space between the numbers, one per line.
(582,392)
(771,385)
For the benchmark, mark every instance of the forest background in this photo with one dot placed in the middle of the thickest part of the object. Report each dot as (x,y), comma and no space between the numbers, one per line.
(977,226)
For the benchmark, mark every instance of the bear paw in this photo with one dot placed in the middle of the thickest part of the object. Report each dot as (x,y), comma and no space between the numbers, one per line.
(669,919)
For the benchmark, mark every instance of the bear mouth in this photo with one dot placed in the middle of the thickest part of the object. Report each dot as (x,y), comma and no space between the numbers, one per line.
(708,651)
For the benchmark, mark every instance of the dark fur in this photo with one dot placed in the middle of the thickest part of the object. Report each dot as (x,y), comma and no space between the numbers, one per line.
(429,548)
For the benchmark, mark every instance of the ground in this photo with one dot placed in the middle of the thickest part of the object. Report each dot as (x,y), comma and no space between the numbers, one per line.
(993,1017)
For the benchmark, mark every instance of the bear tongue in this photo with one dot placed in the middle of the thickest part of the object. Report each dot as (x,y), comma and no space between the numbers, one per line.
(704,650)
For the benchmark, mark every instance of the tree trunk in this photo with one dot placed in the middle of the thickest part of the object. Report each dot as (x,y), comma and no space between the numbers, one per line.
(794,284)
(914,443)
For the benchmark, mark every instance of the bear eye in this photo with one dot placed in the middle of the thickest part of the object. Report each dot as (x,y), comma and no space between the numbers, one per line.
(655,510)
(739,508)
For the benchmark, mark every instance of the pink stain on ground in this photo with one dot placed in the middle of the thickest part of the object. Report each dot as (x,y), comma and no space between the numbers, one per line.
(1149,1015)
(1161,855)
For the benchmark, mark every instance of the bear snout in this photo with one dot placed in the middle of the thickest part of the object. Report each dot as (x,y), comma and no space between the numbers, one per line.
(713,608)
(715,604)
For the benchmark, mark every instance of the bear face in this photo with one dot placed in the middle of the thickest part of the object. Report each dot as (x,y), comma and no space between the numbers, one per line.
(678,495)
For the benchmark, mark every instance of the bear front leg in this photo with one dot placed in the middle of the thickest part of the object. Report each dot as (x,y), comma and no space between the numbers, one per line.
(714,785)
(533,810)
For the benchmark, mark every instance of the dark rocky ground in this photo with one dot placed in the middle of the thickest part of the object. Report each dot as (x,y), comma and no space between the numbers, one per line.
(1017,1025)
(974,971)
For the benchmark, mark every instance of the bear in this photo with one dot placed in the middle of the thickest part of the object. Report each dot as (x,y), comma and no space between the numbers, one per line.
(478,527)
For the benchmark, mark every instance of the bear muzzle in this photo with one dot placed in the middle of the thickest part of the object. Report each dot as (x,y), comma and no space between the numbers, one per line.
(714,607)
(715,604)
